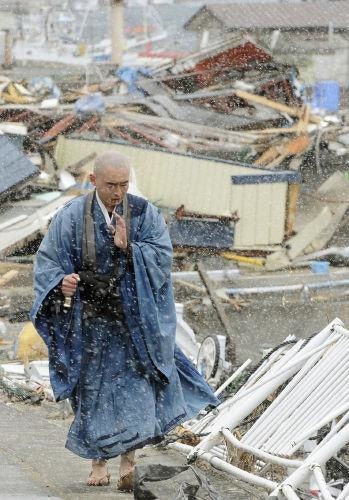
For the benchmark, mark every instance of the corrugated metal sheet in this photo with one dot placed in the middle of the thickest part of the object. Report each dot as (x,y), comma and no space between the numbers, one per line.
(262,209)
(201,185)
(199,233)
(15,167)
(273,15)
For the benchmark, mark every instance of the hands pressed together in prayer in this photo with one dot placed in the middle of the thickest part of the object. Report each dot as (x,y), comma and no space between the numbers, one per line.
(119,231)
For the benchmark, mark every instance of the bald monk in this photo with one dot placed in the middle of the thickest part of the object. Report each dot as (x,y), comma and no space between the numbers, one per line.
(105,308)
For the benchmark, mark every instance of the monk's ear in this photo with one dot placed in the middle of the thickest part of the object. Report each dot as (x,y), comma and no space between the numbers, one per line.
(93,179)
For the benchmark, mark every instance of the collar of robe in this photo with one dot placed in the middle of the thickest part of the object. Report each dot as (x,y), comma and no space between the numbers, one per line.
(89,238)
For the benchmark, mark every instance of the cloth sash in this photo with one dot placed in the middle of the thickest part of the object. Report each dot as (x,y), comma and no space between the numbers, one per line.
(100,293)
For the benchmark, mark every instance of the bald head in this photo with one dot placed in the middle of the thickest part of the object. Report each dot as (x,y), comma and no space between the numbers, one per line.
(110,159)
(111,176)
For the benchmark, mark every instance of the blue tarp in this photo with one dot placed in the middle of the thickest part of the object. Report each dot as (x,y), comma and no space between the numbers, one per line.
(130,76)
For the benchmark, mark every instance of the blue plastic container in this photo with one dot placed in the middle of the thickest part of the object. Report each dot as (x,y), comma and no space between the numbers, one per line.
(320,266)
(327,95)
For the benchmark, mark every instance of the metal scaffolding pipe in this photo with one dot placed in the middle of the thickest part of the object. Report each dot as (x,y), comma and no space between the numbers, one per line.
(117,31)
(286,288)
(266,457)
(221,465)
(320,480)
(232,377)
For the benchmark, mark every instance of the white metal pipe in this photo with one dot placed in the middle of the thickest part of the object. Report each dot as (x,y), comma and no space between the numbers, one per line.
(294,392)
(215,275)
(273,364)
(318,405)
(313,408)
(311,415)
(219,453)
(278,408)
(310,431)
(273,415)
(335,428)
(181,447)
(219,464)
(201,424)
(319,456)
(242,410)
(278,365)
(343,331)
(344,495)
(286,369)
(289,493)
(236,472)
(233,377)
(320,480)
(285,288)
(266,457)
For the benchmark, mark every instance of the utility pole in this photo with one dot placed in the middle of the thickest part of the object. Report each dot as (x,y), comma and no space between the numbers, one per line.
(117,31)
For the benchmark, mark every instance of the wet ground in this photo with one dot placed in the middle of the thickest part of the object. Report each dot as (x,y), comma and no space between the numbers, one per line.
(32,455)
(35,464)
(264,320)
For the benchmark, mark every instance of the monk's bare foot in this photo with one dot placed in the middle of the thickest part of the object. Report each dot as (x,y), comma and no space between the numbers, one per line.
(127,465)
(99,475)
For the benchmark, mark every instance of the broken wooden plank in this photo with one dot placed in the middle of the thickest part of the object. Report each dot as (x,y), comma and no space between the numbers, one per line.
(7,277)
(181,126)
(282,108)
(276,153)
(326,209)
(310,231)
(59,127)
(219,310)
(291,208)
(335,193)
(76,167)
(297,244)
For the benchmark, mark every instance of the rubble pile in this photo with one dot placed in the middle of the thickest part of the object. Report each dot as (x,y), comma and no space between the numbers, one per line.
(231,101)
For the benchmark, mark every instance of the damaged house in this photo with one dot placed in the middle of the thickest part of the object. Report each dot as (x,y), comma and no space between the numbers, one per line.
(311,35)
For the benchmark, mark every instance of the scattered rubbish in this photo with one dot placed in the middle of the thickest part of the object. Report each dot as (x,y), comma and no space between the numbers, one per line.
(43,87)
(90,104)
(156,473)
(320,267)
(18,382)
(29,345)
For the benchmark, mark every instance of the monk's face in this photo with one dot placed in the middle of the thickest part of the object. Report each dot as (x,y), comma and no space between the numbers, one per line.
(111,185)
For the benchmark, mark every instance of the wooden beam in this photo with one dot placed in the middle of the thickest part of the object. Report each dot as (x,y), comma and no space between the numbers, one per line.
(291,208)
(282,108)
(7,277)
(219,310)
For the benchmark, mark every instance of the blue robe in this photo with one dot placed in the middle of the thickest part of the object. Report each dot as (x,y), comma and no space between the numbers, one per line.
(128,381)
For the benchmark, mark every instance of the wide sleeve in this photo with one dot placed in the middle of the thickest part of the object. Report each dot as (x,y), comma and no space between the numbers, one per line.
(150,285)
(55,257)
(59,328)
(152,250)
